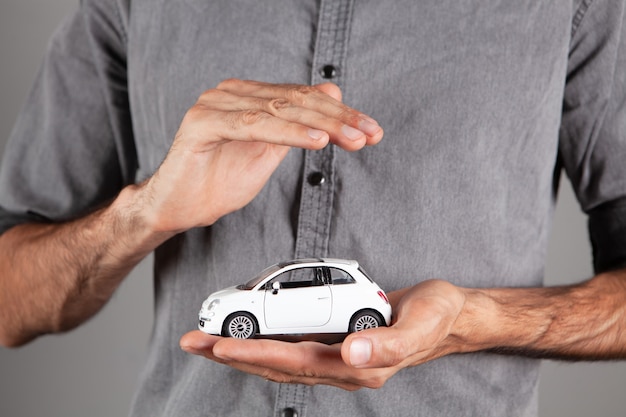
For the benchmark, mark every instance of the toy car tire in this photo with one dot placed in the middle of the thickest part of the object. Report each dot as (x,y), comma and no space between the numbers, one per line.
(240,325)
(365,319)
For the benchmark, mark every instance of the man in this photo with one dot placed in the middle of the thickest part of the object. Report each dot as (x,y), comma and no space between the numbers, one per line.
(481,106)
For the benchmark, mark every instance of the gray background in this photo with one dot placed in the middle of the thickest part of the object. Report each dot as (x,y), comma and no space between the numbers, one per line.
(92,371)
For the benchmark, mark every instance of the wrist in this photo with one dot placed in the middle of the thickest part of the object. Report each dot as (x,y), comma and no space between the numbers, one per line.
(490,319)
(470,331)
(131,217)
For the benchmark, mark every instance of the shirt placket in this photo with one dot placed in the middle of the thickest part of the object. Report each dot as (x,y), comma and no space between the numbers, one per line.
(318,184)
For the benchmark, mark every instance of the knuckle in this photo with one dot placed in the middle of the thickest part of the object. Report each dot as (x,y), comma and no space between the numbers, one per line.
(251,117)
(195,115)
(236,120)
(229,83)
(375,379)
(278,104)
(195,112)
(305,381)
(213,99)
(348,116)
(280,378)
(309,373)
(300,94)
(396,350)
(375,382)
(210,94)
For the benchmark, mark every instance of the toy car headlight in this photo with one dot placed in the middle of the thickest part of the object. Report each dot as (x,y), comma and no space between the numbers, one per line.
(213,304)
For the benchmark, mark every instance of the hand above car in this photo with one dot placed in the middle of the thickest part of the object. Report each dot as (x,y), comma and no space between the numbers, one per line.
(232,140)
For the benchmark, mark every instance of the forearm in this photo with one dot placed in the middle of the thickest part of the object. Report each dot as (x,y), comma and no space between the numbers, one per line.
(55,276)
(578,322)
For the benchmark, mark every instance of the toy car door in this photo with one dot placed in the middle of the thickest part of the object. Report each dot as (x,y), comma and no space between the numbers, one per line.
(297,299)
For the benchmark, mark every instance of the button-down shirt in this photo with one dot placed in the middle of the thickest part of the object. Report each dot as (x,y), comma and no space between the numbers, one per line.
(483,103)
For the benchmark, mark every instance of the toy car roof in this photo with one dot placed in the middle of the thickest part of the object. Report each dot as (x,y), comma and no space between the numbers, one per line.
(319,261)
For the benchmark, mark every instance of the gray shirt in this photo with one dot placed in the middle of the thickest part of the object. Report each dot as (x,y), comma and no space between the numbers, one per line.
(483,104)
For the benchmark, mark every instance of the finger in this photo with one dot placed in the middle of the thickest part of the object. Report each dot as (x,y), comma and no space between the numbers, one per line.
(199,343)
(284,378)
(204,128)
(339,132)
(331,89)
(303,362)
(267,360)
(366,124)
(314,98)
(321,96)
(291,358)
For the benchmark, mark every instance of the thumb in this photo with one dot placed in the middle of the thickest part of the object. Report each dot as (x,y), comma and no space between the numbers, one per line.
(376,348)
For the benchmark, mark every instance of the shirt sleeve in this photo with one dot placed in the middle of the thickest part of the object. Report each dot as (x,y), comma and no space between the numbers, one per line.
(593,131)
(72,147)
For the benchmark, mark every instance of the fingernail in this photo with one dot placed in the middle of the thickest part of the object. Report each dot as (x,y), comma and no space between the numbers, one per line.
(360,351)
(369,126)
(316,134)
(351,133)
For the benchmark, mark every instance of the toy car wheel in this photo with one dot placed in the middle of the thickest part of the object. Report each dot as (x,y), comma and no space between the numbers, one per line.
(240,325)
(365,319)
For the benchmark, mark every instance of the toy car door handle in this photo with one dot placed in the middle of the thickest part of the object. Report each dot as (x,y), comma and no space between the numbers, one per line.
(323,298)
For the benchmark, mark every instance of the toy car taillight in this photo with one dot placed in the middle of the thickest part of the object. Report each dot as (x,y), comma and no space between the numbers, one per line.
(383,296)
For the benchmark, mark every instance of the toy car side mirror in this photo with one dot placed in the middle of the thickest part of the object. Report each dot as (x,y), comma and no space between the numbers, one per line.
(275,287)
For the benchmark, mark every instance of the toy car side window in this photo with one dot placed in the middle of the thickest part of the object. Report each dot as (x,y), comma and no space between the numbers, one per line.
(340,277)
(296,278)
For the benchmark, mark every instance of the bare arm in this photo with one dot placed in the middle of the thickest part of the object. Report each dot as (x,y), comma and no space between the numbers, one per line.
(55,276)
(434,319)
(577,322)
(230,142)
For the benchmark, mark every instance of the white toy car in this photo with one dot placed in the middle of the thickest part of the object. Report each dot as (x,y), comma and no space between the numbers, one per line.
(302,296)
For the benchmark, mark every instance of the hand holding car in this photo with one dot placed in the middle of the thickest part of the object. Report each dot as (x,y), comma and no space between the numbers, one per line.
(422,330)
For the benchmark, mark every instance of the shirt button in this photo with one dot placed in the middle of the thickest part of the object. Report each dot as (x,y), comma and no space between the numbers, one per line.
(316,178)
(328,72)
(289,412)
